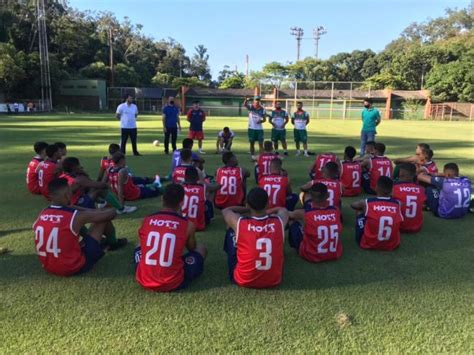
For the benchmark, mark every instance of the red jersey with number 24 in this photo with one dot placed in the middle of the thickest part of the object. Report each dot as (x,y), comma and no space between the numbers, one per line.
(231,192)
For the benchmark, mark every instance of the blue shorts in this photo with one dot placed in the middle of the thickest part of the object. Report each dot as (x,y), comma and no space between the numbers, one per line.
(146,192)
(193,266)
(231,249)
(86,201)
(291,202)
(137,180)
(92,252)
(366,184)
(432,199)
(295,235)
(359,227)
(209,212)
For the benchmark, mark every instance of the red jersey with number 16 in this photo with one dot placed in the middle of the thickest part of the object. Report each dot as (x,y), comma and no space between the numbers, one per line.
(412,197)
(231,192)
(351,177)
(259,244)
(321,160)
(276,187)
(163,237)
(263,163)
(194,205)
(379,166)
(32,176)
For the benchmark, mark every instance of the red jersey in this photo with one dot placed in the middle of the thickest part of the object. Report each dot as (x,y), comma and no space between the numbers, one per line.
(76,195)
(351,177)
(412,197)
(430,168)
(131,192)
(32,176)
(106,163)
(47,171)
(194,205)
(178,173)
(57,244)
(334,190)
(379,166)
(276,187)
(231,192)
(322,235)
(382,225)
(260,243)
(321,160)
(163,237)
(263,163)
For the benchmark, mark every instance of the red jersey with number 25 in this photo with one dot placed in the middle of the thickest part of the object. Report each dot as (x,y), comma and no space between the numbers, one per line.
(334,190)
(231,192)
(412,197)
(276,187)
(32,176)
(382,225)
(351,178)
(194,205)
(163,237)
(260,243)
(379,166)
(263,163)
(57,245)
(321,160)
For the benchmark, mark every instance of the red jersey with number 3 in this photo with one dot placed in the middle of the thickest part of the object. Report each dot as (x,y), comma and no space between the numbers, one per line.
(163,237)
(334,190)
(57,245)
(379,166)
(231,192)
(276,187)
(382,224)
(131,192)
(32,176)
(47,171)
(194,205)
(321,160)
(412,198)
(178,173)
(321,235)
(351,178)
(263,163)
(260,244)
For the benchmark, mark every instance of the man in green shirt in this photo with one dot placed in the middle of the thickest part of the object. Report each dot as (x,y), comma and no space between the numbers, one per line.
(370,120)
(257,116)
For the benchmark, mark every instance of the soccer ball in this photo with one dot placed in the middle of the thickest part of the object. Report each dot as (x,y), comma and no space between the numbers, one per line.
(156,143)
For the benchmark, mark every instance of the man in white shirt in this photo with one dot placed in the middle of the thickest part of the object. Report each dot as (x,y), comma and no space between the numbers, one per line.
(127,113)
(224,140)
(257,116)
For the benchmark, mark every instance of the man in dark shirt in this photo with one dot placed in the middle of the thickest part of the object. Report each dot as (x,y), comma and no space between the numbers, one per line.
(196,117)
(171,124)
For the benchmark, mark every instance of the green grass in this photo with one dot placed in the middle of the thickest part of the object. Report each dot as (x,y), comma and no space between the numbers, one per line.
(417,298)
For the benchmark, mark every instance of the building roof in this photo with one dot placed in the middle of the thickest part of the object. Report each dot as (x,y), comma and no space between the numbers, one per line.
(410,94)
(212,92)
(326,94)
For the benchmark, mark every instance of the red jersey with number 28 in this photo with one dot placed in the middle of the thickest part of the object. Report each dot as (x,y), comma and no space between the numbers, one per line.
(194,205)
(32,176)
(321,160)
(379,166)
(382,225)
(260,243)
(231,192)
(163,237)
(57,245)
(351,178)
(263,163)
(276,187)
(412,197)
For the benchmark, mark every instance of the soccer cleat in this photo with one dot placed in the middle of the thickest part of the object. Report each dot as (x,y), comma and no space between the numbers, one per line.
(306,154)
(127,209)
(121,242)
(157,181)
(298,153)
(201,151)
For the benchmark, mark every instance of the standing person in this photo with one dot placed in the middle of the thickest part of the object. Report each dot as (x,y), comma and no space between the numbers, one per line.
(196,117)
(370,120)
(16,107)
(257,116)
(278,120)
(171,124)
(300,119)
(127,113)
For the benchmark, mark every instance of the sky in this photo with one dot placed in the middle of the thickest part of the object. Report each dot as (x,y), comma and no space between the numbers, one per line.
(232,29)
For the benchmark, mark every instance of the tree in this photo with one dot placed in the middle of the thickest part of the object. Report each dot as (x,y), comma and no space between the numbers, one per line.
(453,81)
(236,81)
(199,66)
(12,65)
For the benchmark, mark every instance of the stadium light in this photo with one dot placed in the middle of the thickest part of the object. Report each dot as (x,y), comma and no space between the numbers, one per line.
(298,33)
(317,33)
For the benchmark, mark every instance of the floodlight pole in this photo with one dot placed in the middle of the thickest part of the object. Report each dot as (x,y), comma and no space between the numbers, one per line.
(111,58)
(317,33)
(46,91)
(298,33)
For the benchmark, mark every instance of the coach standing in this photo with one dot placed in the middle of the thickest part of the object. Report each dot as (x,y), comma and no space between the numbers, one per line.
(171,124)
(127,113)
(370,120)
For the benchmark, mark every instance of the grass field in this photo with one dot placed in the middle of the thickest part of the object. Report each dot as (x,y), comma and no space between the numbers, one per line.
(418,298)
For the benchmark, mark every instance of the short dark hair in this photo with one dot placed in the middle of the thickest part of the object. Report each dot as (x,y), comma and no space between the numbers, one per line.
(332,168)
(61,145)
(173,196)
(196,101)
(56,185)
(453,167)
(191,174)
(185,154)
(51,150)
(423,145)
(188,143)
(299,103)
(226,157)
(380,148)
(226,129)
(369,100)
(427,153)
(385,185)
(268,146)
(117,157)
(276,162)
(113,148)
(319,192)
(127,96)
(39,147)
(69,164)
(257,199)
(409,168)
(350,152)
(371,143)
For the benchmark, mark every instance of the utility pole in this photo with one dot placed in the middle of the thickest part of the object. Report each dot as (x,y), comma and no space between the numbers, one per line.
(298,33)
(317,33)
(246,66)
(111,57)
(46,92)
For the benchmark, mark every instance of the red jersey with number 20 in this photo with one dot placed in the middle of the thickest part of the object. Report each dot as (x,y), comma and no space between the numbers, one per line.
(194,205)
(57,245)
(351,178)
(276,187)
(412,197)
(260,258)
(163,237)
(231,192)
(32,176)
(263,163)
(379,166)
(321,160)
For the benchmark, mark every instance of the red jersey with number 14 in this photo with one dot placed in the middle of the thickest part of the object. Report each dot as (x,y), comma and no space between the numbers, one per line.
(351,177)
(412,197)
(259,244)
(163,237)
(32,176)
(263,163)
(276,187)
(231,192)
(194,205)
(321,160)
(379,166)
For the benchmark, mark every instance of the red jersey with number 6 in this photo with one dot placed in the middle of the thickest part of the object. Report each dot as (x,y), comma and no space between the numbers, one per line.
(334,190)
(412,197)
(321,160)
(163,237)
(322,235)
(379,166)
(32,176)
(276,187)
(231,192)
(351,178)
(260,243)
(263,163)
(382,224)
(194,205)
(57,245)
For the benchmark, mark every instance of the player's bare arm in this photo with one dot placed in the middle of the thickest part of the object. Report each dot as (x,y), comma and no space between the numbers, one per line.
(358,205)
(280,212)
(213,187)
(123,176)
(231,217)
(84,181)
(306,187)
(423,177)
(365,163)
(93,216)
(411,159)
(296,215)
(191,242)
(245,173)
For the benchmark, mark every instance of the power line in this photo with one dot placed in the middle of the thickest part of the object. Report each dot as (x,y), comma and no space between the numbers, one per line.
(298,33)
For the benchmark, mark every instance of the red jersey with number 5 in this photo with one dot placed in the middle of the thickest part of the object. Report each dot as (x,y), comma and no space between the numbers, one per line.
(382,224)
(47,171)
(163,237)
(32,176)
(260,243)
(322,235)
(334,190)
(194,205)
(231,192)
(57,245)
(379,166)
(263,163)
(276,187)
(412,197)
(351,178)
(321,160)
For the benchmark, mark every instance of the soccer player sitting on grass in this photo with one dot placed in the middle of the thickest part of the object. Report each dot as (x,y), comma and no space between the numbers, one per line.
(278,188)
(254,244)
(316,171)
(351,173)
(186,160)
(49,169)
(164,235)
(378,224)
(369,151)
(376,167)
(62,150)
(232,180)
(58,245)
(300,119)
(412,198)
(449,195)
(224,140)
(176,157)
(279,120)
(31,171)
(320,238)
(422,159)
(196,117)
(264,159)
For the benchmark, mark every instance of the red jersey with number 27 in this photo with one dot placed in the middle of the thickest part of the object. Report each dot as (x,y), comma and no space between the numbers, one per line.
(351,178)
(276,187)
(194,205)
(412,197)
(321,160)
(231,192)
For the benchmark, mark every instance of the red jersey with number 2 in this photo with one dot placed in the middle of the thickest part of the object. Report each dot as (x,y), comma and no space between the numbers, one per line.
(276,187)
(412,197)
(351,178)
(194,205)
(321,160)
(231,192)
(379,166)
